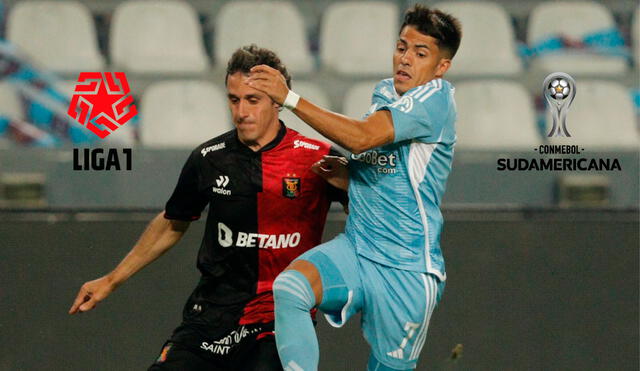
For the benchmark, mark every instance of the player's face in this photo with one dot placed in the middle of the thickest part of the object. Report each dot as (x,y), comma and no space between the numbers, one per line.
(417,60)
(254,114)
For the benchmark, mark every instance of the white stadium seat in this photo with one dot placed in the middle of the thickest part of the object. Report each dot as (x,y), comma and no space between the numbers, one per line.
(358,37)
(573,19)
(182,114)
(357,101)
(274,25)
(601,116)
(10,105)
(157,37)
(635,35)
(314,94)
(495,115)
(58,35)
(489,43)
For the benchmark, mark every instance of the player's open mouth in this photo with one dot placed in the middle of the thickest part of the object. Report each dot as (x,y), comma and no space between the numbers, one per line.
(402,76)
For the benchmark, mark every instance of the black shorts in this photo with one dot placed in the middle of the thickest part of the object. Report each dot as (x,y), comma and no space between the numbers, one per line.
(245,348)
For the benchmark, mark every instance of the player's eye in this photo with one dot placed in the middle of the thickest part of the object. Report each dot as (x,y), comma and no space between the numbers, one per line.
(254,100)
(233,100)
(421,55)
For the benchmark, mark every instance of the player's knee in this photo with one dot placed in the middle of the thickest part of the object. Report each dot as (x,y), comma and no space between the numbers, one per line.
(291,288)
(309,270)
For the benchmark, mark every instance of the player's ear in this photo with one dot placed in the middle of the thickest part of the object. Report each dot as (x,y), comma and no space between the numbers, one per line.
(443,67)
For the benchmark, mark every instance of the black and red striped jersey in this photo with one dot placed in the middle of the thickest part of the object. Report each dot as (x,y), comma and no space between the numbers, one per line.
(266,208)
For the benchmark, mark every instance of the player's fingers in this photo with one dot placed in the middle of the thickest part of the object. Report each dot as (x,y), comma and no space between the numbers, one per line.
(320,167)
(80,298)
(262,68)
(88,305)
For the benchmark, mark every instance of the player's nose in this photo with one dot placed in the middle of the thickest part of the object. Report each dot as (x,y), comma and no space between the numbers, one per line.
(243,109)
(405,59)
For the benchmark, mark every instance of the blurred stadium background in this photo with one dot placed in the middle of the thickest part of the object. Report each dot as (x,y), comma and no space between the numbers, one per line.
(542,266)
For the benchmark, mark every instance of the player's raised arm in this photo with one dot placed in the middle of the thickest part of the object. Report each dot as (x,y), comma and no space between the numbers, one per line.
(161,234)
(354,135)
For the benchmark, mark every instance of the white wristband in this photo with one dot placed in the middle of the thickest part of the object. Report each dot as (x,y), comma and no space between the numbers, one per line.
(291,101)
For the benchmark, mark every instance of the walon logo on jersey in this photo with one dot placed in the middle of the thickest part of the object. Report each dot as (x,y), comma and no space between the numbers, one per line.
(221,183)
(102,103)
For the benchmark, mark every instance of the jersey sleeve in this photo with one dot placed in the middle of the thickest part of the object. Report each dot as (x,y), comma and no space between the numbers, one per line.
(420,115)
(187,202)
(382,95)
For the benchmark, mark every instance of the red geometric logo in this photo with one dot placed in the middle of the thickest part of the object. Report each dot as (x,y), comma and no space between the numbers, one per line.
(102,102)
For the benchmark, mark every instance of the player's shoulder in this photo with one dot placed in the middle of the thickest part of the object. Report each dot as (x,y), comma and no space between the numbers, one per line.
(386,89)
(298,141)
(435,91)
(220,144)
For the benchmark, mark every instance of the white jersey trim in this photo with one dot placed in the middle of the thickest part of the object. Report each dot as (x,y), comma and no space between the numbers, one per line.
(431,291)
(343,313)
(419,157)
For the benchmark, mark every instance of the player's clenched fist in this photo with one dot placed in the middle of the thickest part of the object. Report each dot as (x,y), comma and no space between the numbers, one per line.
(91,293)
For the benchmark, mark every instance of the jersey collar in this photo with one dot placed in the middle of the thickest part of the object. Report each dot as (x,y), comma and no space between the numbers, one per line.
(281,133)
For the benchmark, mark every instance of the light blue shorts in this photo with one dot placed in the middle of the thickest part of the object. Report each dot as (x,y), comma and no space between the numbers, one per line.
(396,304)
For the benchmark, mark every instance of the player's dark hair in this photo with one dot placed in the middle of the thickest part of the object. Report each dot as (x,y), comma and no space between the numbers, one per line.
(250,56)
(445,28)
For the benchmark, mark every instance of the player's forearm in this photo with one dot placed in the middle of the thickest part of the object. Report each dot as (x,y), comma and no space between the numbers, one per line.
(354,135)
(160,235)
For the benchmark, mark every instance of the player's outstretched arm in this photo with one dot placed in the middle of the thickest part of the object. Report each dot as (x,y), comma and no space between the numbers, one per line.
(161,234)
(354,135)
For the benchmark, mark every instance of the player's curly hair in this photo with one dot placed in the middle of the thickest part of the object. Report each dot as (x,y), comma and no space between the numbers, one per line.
(445,28)
(249,56)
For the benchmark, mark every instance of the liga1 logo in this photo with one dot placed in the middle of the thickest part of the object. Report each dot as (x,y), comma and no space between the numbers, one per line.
(102,102)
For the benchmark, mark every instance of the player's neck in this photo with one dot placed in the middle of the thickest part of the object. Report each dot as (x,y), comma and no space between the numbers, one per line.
(268,137)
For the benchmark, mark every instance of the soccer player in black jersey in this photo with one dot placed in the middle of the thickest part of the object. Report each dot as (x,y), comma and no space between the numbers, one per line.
(268,194)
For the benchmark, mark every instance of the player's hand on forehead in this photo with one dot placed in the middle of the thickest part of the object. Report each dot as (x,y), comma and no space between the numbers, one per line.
(268,80)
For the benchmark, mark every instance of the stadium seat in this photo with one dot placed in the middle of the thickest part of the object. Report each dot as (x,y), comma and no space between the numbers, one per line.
(600,117)
(358,37)
(276,25)
(635,35)
(489,43)
(58,35)
(316,95)
(357,101)
(10,105)
(182,114)
(157,37)
(495,115)
(575,20)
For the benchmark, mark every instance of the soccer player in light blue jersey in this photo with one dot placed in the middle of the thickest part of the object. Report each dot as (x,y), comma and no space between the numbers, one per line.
(388,263)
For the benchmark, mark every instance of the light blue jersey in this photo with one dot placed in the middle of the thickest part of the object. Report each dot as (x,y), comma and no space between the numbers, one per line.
(395,190)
